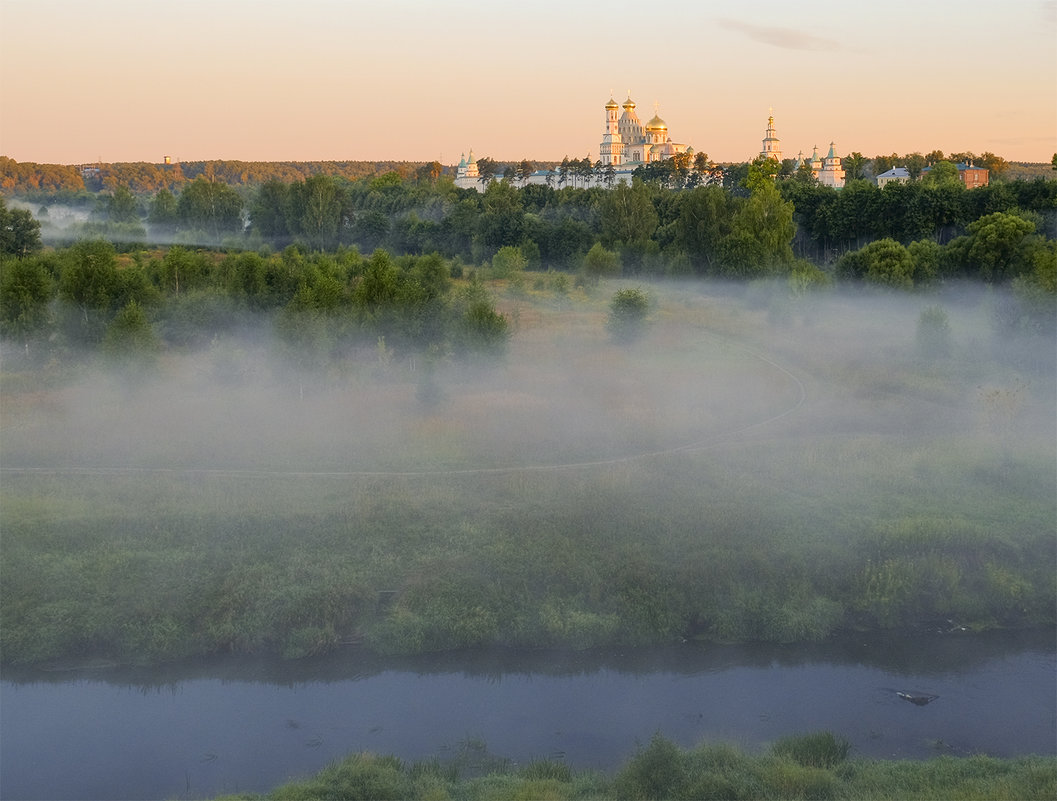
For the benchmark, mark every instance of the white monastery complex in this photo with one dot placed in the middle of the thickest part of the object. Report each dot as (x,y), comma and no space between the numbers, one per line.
(628,144)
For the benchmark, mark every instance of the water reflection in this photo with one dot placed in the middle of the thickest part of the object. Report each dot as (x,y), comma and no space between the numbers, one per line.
(925,654)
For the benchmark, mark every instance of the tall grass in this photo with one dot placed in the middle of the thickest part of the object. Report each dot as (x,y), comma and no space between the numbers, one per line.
(813,766)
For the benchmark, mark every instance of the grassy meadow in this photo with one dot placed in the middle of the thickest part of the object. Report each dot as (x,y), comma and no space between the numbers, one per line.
(757,467)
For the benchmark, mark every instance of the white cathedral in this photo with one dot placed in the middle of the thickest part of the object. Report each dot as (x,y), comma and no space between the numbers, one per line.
(628,142)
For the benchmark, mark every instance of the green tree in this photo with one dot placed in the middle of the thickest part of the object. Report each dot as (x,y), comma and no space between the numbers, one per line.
(122,206)
(525,169)
(599,262)
(915,163)
(995,165)
(503,219)
(927,257)
(884,262)
(942,173)
(486,170)
(998,246)
(855,166)
(703,220)
(508,261)
(429,172)
(25,292)
(481,330)
(130,339)
(627,214)
(89,279)
(762,171)
(211,207)
(181,270)
(761,234)
(162,211)
(269,210)
(315,209)
(19,232)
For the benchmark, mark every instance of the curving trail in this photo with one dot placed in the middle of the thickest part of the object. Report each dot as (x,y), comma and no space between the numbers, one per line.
(697,445)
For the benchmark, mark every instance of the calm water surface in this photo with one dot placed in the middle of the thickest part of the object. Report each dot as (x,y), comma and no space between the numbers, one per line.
(190,731)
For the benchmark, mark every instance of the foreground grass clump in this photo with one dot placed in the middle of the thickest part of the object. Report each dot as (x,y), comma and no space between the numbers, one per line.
(812,766)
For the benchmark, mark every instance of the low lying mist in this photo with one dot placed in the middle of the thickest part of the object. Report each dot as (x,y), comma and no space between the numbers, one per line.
(755,467)
(714,366)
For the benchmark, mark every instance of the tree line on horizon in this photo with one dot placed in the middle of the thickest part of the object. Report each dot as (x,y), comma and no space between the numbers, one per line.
(759,226)
(32,178)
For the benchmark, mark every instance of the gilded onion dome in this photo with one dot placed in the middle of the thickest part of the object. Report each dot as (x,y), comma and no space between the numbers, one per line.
(612,103)
(656,124)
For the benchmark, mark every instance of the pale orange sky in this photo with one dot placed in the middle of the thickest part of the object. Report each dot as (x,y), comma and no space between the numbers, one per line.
(136,80)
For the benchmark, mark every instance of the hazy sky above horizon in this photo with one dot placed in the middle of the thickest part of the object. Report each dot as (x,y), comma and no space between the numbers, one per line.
(417,80)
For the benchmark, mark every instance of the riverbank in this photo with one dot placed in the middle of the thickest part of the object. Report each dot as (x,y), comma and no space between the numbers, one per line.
(813,766)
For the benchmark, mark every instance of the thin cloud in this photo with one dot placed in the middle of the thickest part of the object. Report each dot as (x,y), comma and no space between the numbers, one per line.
(785,38)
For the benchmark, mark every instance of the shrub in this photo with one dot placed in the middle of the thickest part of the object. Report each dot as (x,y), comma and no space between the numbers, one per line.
(656,771)
(628,311)
(820,749)
(934,333)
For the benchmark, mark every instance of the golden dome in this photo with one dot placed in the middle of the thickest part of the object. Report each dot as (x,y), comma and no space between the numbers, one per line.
(612,103)
(656,124)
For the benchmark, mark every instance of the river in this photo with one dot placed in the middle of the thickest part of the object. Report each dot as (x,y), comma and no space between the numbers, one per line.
(209,727)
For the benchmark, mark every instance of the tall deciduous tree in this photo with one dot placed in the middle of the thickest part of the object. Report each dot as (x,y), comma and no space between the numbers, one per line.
(703,220)
(162,211)
(211,207)
(269,210)
(942,173)
(855,166)
(122,206)
(25,292)
(316,206)
(19,232)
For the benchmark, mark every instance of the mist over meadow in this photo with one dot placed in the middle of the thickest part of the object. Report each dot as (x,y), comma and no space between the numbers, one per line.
(718,363)
(755,466)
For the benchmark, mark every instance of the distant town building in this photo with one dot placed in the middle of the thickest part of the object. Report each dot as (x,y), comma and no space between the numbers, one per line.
(896,175)
(972,176)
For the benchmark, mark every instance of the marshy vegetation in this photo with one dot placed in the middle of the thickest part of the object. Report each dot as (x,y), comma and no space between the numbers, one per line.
(812,766)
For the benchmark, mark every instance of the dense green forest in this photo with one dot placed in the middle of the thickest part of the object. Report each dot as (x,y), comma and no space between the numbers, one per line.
(751,226)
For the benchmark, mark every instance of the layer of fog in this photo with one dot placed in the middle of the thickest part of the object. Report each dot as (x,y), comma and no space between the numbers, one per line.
(717,365)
